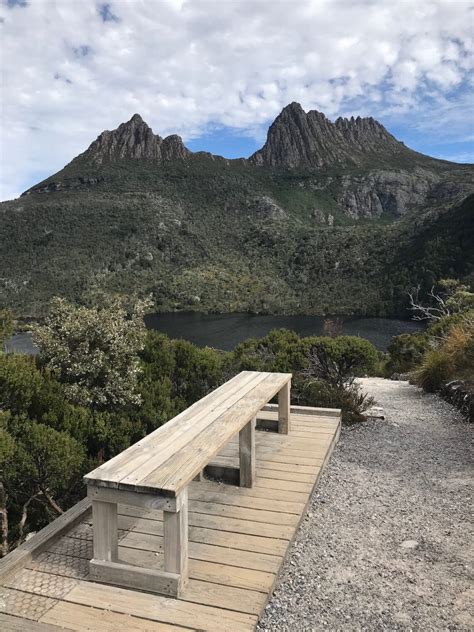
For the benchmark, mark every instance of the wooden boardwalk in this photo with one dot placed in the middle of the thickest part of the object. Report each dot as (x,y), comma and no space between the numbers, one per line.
(238,539)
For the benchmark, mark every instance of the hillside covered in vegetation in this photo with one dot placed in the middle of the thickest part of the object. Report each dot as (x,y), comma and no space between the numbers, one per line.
(326,218)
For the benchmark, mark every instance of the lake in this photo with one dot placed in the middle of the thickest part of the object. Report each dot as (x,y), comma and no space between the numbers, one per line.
(225,331)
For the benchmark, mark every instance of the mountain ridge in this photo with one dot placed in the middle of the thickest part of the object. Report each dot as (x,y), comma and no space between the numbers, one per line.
(329,217)
(295,139)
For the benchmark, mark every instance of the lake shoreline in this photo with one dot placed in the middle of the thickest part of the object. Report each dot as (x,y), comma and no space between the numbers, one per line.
(224,331)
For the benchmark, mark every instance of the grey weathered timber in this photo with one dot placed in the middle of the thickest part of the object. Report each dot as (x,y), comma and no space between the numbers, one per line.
(155,473)
(128,576)
(284,409)
(104,520)
(247,454)
(22,555)
(175,531)
(237,539)
(308,410)
(15,624)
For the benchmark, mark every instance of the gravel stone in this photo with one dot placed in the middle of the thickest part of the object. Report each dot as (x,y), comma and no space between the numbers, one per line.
(386,544)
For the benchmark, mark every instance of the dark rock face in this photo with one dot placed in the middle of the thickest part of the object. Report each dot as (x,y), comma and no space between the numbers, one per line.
(308,139)
(135,139)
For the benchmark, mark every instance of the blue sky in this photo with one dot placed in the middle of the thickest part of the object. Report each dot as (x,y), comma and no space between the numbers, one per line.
(218,72)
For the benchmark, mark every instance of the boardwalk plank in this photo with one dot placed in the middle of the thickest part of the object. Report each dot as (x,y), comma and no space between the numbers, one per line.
(162,609)
(238,539)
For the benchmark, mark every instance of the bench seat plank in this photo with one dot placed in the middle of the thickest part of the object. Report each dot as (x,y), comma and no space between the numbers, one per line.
(168,459)
(164,438)
(183,466)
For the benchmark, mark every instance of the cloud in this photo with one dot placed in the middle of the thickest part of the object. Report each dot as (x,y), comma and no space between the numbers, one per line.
(72,69)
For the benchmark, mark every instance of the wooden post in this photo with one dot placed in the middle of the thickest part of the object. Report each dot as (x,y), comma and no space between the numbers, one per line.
(247,454)
(175,531)
(284,409)
(104,518)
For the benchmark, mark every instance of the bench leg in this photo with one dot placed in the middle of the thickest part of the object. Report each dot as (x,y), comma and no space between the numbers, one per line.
(104,518)
(284,409)
(175,531)
(247,454)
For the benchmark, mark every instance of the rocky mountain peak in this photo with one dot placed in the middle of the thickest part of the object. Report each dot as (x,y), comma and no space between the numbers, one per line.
(297,138)
(134,140)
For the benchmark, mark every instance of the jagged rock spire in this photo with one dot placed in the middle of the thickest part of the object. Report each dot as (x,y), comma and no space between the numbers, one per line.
(298,138)
(135,139)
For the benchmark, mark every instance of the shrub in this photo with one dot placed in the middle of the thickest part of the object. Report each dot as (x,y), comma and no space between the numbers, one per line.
(338,360)
(94,351)
(350,399)
(405,352)
(436,369)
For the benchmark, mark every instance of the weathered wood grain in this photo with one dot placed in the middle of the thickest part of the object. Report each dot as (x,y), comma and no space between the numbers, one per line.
(247,454)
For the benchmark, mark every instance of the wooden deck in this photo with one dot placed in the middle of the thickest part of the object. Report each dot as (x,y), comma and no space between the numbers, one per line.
(238,539)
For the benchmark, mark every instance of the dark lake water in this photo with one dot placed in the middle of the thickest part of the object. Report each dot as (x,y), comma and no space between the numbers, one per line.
(225,331)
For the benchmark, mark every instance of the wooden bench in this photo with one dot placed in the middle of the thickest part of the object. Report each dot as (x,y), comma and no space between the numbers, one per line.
(154,474)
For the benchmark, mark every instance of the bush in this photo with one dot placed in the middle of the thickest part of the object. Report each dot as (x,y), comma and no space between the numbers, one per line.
(453,358)
(352,402)
(405,352)
(338,360)
(436,369)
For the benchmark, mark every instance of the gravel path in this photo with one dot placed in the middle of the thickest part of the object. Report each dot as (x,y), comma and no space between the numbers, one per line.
(387,541)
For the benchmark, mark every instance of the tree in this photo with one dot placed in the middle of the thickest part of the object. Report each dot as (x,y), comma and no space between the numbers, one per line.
(447,298)
(93,351)
(6,325)
(38,466)
(7,451)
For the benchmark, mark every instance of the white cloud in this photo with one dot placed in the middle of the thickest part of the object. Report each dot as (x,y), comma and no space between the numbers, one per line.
(67,74)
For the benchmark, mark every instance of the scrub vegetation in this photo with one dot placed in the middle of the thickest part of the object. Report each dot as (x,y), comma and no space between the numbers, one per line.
(101,382)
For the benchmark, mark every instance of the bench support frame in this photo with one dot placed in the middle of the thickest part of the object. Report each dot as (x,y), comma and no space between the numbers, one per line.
(284,409)
(106,566)
(247,454)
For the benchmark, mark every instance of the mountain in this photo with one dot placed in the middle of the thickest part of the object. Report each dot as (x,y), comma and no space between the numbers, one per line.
(327,217)
(134,139)
(299,139)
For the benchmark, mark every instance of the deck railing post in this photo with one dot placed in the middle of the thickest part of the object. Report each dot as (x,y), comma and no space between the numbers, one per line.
(247,454)
(104,518)
(175,531)
(284,409)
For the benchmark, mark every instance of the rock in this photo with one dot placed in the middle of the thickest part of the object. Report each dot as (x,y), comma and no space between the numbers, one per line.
(409,544)
(134,140)
(298,138)
(266,208)
(375,412)
(384,191)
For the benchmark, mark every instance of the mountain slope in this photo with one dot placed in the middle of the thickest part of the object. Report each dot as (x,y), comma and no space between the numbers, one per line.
(345,219)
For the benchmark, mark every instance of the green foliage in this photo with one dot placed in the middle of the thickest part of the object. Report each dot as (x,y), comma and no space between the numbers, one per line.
(19,382)
(448,343)
(192,234)
(352,402)
(435,369)
(175,374)
(93,351)
(280,351)
(6,324)
(323,368)
(53,459)
(337,361)
(405,352)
